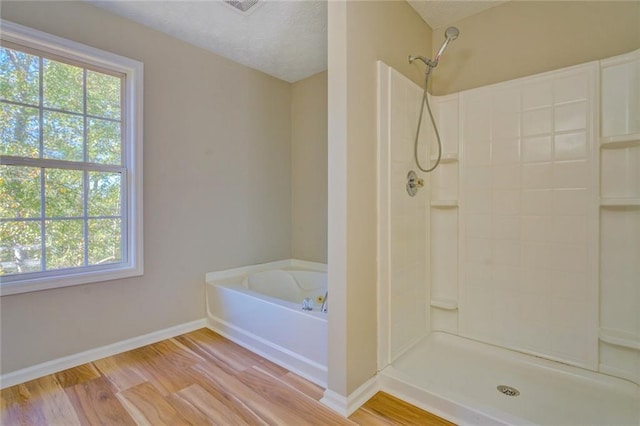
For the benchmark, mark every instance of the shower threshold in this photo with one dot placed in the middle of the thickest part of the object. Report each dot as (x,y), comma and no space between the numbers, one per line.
(458,379)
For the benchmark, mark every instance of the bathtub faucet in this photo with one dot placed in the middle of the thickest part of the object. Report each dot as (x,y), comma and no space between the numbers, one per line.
(324,303)
(307,304)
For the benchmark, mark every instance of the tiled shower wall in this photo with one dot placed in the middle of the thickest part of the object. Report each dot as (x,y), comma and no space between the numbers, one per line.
(403,294)
(528,215)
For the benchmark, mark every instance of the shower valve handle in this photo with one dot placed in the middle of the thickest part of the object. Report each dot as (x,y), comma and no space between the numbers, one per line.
(414,183)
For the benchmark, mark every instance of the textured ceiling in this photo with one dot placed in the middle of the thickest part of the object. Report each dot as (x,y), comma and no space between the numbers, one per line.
(285,39)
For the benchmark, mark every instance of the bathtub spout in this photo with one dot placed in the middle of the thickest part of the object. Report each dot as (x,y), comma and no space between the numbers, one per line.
(324,303)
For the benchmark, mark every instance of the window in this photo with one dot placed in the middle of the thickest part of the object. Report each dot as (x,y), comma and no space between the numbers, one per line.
(70,163)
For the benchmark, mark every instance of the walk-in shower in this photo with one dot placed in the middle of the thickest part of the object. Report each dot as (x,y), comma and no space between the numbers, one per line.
(508,286)
(450,34)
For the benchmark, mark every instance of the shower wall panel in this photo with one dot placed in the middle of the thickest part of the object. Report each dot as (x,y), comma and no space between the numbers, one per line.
(620,217)
(403,313)
(443,224)
(528,215)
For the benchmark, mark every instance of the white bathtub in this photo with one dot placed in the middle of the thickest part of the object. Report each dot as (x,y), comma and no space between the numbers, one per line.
(259,307)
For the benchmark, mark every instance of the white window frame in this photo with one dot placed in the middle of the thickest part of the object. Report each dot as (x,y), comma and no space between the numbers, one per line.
(133,264)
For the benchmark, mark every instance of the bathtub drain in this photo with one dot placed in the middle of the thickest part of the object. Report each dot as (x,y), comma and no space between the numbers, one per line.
(508,390)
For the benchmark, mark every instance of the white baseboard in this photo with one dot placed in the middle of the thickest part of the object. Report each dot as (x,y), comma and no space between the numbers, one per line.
(70,361)
(336,402)
(292,361)
(345,406)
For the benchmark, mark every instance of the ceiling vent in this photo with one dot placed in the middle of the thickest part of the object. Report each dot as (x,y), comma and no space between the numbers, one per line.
(242,6)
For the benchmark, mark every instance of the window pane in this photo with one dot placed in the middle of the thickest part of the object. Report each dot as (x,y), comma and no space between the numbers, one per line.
(104,194)
(19,131)
(20,189)
(20,247)
(63,136)
(103,95)
(104,241)
(62,86)
(103,141)
(63,193)
(19,76)
(64,243)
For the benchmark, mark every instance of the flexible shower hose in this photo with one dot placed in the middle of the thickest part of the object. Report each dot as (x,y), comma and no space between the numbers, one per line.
(425,100)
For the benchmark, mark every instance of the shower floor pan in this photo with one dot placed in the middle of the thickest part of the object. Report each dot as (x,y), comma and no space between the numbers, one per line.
(458,378)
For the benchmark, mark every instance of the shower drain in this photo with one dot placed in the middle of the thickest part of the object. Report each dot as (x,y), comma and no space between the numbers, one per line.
(508,390)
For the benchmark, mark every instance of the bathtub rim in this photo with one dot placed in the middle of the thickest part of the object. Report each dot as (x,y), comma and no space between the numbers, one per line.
(297,264)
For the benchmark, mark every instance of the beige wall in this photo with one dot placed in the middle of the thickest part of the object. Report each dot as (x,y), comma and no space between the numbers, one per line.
(309,168)
(217,185)
(365,31)
(522,38)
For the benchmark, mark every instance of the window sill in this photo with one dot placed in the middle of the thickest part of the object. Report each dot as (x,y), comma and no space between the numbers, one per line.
(66,280)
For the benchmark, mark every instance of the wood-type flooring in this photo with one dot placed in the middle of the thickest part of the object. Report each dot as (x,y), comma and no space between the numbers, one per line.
(198,378)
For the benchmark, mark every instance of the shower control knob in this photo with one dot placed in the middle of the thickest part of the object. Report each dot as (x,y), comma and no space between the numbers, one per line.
(413,183)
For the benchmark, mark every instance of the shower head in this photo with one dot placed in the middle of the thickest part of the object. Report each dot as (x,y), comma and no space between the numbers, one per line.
(450,34)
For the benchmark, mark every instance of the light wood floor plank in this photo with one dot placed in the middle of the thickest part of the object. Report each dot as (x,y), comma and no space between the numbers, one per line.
(176,354)
(198,378)
(226,389)
(310,389)
(40,401)
(18,409)
(188,411)
(121,372)
(363,416)
(77,375)
(216,410)
(95,403)
(286,398)
(399,412)
(164,373)
(148,407)
(230,356)
(215,348)
(218,379)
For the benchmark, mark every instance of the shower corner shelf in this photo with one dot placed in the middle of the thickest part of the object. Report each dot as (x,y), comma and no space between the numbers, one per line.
(446,304)
(619,202)
(620,141)
(444,204)
(619,338)
(447,157)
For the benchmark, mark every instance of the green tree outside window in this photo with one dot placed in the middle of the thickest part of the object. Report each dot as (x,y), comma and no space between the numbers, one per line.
(61,178)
